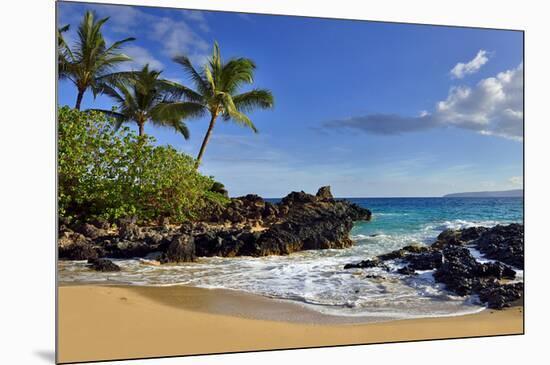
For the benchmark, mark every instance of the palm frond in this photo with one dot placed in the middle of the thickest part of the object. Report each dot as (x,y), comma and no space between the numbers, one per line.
(256,98)
(116,77)
(178,126)
(111,91)
(175,91)
(232,112)
(64,55)
(181,128)
(60,39)
(235,73)
(192,73)
(216,66)
(116,45)
(209,75)
(177,111)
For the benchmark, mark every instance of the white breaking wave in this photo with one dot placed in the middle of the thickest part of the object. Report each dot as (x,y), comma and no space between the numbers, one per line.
(460,224)
(314,279)
(374,236)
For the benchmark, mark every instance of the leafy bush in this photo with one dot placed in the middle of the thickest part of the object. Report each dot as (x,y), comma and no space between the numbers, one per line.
(108,173)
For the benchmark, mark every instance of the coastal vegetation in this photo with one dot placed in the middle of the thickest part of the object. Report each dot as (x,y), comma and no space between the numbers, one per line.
(105,172)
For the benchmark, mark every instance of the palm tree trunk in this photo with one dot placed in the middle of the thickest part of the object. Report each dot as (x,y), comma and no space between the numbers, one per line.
(79,98)
(141,128)
(206,138)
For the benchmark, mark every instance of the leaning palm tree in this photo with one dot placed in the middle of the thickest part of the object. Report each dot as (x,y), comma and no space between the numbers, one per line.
(90,62)
(217,92)
(141,98)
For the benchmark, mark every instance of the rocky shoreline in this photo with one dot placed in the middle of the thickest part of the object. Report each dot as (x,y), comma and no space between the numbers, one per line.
(455,266)
(247,226)
(251,226)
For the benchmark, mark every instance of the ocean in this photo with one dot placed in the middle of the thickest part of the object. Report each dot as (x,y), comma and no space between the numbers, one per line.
(317,280)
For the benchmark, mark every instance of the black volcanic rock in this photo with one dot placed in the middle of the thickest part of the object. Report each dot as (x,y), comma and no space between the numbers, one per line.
(455,266)
(365,264)
(472,233)
(67,238)
(463,275)
(416,256)
(103,265)
(227,243)
(452,237)
(298,198)
(459,271)
(300,221)
(500,296)
(425,261)
(403,252)
(503,243)
(245,209)
(80,251)
(459,266)
(91,231)
(129,230)
(324,194)
(497,270)
(154,238)
(311,224)
(181,249)
(248,225)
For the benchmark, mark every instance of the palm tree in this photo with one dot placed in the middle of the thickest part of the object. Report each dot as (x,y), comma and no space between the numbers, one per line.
(90,62)
(141,97)
(217,92)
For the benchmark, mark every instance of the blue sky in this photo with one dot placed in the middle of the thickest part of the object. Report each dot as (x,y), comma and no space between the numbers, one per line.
(372,109)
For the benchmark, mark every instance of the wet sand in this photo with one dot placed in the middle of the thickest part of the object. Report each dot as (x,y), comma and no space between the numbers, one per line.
(116,322)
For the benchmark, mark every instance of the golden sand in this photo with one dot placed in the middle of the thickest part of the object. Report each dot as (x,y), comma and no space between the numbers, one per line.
(108,322)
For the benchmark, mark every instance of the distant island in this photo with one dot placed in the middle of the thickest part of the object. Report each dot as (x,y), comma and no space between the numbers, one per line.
(516,193)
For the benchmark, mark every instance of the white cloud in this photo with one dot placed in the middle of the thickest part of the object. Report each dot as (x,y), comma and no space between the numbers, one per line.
(173,34)
(121,17)
(462,69)
(492,107)
(178,38)
(197,17)
(141,56)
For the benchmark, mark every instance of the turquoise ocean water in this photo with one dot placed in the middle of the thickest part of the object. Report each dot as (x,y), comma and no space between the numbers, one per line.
(427,217)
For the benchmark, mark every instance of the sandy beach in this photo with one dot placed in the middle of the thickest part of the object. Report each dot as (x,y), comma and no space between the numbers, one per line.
(115,322)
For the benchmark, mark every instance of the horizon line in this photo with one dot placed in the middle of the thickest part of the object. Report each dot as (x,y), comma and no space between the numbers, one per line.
(394,197)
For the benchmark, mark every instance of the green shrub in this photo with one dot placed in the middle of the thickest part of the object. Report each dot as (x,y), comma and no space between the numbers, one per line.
(108,173)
